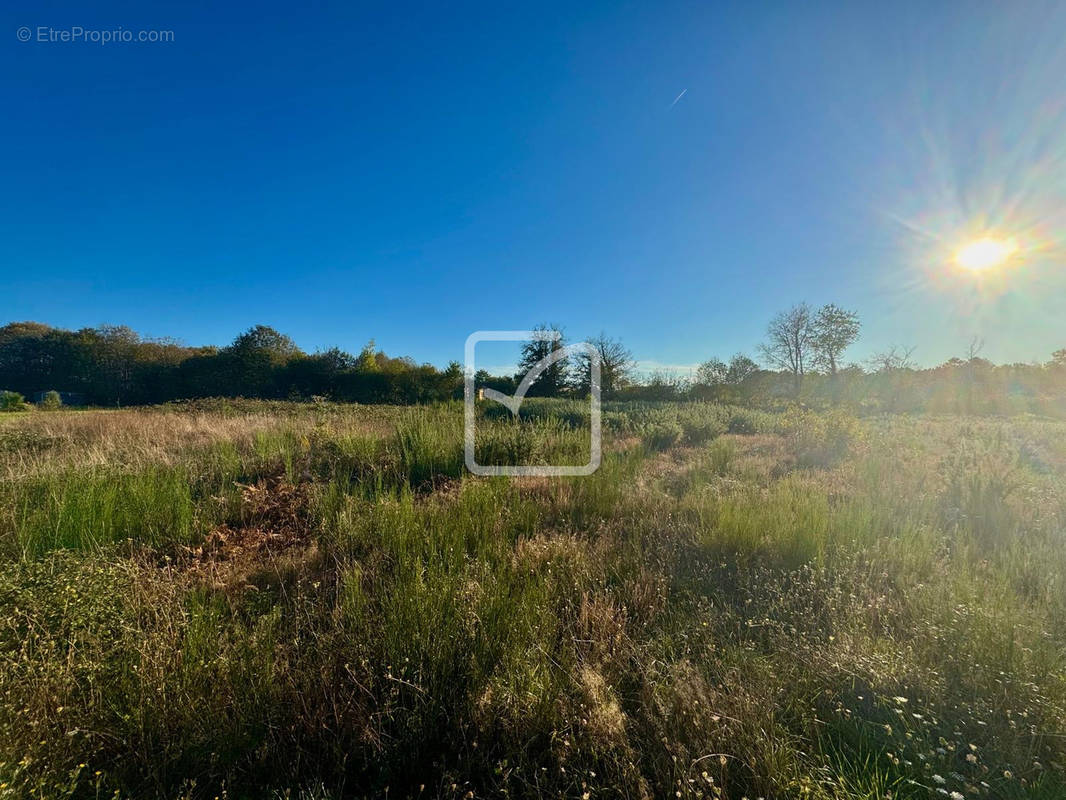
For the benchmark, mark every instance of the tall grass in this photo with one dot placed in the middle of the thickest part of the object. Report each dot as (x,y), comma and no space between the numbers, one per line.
(767,605)
(87,510)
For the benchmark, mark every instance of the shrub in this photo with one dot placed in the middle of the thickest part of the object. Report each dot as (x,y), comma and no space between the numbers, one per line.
(819,440)
(662,435)
(617,422)
(12,401)
(52,401)
(700,431)
(741,422)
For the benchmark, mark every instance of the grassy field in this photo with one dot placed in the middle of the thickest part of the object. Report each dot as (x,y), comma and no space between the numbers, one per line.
(278,600)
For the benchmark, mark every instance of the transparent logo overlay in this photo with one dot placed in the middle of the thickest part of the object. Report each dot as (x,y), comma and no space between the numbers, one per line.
(514,402)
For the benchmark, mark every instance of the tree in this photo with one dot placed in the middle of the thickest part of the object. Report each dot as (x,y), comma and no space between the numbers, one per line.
(111,350)
(255,357)
(336,360)
(833,330)
(712,372)
(264,339)
(660,385)
(367,361)
(1058,358)
(114,364)
(895,358)
(616,366)
(788,343)
(316,375)
(450,381)
(740,369)
(715,372)
(553,378)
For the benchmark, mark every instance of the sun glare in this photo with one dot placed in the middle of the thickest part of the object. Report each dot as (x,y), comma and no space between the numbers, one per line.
(985,253)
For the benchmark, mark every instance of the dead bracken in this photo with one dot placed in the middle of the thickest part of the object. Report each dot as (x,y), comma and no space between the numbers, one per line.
(274,517)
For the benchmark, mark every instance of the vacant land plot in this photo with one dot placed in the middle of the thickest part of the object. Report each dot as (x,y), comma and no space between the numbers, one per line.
(315,601)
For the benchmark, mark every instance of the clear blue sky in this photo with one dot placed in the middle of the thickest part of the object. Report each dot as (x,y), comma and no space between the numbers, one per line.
(413,173)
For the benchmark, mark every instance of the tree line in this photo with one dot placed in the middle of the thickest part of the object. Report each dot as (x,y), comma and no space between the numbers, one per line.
(801,359)
(110,366)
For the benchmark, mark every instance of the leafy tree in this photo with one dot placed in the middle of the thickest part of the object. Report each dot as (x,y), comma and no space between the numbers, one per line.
(483,379)
(448,383)
(712,372)
(715,372)
(552,380)
(367,360)
(740,369)
(111,352)
(254,358)
(832,330)
(316,375)
(262,339)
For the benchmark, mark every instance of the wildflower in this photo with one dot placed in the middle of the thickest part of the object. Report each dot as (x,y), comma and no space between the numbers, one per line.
(939,779)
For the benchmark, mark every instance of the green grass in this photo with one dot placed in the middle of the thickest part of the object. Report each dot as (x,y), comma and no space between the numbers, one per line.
(755,605)
(88,510)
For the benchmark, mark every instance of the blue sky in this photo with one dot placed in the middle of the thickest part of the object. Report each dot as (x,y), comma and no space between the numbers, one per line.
(412,173)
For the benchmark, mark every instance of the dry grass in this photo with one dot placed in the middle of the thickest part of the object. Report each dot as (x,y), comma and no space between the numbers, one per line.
(817,608)
(134,438)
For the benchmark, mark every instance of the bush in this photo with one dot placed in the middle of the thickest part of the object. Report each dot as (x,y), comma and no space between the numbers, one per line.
(742,423)
(819,440)
(52,401)
(700,431)
(662,435)
(12,401)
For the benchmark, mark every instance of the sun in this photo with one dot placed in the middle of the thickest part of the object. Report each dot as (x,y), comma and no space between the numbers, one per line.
(985,253)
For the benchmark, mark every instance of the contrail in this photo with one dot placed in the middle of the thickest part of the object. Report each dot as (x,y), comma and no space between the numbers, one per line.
(677,98)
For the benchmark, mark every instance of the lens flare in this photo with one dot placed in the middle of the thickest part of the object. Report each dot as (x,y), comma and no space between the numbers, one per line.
(985,253)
